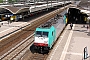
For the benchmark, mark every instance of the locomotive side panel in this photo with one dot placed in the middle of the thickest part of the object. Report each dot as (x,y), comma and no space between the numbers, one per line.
(52,36)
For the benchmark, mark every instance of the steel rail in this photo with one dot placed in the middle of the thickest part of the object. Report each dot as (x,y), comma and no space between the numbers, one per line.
(14,48)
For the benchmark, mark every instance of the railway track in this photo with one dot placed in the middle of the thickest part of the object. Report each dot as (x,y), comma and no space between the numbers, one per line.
(38,56)
(21,35)
(13,53)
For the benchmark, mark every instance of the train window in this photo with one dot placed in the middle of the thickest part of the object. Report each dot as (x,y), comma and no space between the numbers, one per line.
(45,34)
(52,33)
(38,33)
(41,34)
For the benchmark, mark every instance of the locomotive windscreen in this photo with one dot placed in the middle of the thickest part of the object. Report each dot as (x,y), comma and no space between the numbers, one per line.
(41,34)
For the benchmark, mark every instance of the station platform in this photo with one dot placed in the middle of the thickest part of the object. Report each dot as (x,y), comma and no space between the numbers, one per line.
(7,29)
(71,44)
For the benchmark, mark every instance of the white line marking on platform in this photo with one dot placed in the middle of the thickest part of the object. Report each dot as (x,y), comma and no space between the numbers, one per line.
(11,28)
(66,45)
(57,46)
(72,53)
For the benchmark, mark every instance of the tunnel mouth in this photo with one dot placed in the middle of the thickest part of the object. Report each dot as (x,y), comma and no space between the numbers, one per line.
(76,16)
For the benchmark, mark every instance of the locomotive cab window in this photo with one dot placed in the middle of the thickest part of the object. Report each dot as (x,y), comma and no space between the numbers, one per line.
(38,33)
(45,34)
(41,34)
(52,33)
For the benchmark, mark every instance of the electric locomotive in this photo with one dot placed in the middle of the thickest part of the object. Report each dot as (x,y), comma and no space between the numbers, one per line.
(44,38)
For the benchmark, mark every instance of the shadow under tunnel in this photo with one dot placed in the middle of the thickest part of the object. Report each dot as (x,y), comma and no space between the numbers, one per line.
(75,16)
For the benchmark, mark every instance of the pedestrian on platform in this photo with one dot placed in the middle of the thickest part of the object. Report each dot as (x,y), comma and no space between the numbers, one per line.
(8,21)
(1,24)
(87,27)
(71,25)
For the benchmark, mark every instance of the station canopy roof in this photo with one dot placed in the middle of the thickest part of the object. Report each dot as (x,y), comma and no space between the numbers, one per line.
(15,9)
(85,4)
(83,10)
(86,12)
